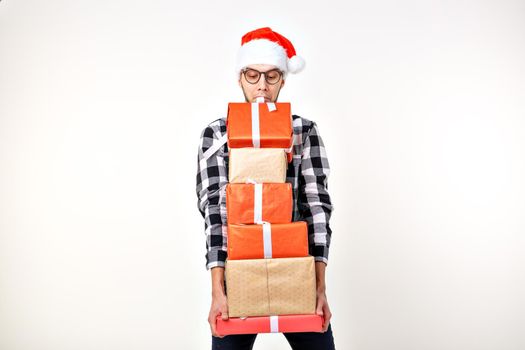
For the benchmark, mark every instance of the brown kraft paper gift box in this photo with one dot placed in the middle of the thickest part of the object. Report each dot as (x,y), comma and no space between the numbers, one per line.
(257,164)
(264,287)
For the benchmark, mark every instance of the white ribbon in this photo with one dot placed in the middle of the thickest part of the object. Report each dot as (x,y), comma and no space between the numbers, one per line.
(257,203)
(256,122)
(256,132)
(267,240)
(274,324)
(215,147)
(290,149)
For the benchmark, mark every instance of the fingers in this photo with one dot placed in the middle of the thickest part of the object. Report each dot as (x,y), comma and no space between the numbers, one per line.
(320,312)
(224,311)
(324,311)
(319,309)
(224,315)
(212,320)
(327,317)
(219,308)
(213,325)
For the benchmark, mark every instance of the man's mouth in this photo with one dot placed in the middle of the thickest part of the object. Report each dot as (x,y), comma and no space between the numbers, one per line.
(258,98)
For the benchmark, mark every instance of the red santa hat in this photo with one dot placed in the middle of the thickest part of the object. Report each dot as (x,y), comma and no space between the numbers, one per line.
(264,46)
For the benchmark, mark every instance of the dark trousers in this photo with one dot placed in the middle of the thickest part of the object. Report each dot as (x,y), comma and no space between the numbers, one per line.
(298,341)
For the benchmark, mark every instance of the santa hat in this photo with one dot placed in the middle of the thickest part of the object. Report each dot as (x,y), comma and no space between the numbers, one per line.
(264,46)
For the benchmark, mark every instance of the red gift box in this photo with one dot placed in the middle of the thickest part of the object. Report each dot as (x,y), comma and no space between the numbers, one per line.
(270,324)
(259,125)
(255,203)
(267,241)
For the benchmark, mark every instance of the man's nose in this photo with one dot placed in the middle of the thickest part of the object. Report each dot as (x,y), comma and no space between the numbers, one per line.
(262,84)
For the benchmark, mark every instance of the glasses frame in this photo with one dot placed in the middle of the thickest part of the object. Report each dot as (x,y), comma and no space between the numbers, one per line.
(265,75)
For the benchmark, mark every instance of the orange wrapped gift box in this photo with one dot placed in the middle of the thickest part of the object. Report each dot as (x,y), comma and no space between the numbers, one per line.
(267,241)
(270,324)
(254,203)
(256,125)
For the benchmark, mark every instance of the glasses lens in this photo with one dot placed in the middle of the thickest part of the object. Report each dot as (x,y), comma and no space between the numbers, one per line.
(273,76)
(252,76)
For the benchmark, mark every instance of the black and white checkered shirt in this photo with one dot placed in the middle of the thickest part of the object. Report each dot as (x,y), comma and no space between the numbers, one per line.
(308,173)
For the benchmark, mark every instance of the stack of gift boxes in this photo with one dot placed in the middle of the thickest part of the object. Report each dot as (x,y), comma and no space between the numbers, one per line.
(270,278)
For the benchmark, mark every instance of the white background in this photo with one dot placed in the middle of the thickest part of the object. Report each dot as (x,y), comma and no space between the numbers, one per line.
(421,105)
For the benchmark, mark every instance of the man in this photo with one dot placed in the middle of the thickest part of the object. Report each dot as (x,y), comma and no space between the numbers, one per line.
(264,60)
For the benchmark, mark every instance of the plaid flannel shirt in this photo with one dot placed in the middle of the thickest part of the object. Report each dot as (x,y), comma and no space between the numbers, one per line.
(307,173)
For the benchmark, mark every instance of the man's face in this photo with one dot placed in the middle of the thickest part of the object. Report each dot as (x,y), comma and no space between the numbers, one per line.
(261,88)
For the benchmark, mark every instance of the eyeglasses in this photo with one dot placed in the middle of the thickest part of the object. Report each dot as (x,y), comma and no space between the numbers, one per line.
(272,77)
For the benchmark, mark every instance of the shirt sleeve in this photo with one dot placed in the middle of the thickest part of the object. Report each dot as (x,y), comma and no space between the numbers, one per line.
(314,203)
(211,181)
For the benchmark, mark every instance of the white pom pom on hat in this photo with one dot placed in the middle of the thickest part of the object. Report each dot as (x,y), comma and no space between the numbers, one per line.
(264,46)
(296,64)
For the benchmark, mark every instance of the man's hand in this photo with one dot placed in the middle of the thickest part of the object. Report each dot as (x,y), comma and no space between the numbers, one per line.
(219,306)
(219,302)
(322,308)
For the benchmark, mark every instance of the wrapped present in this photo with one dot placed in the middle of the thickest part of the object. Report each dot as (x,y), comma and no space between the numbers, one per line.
(257,164)
(265,287)
(267,241)
(255,203)
(259,125)
(270,324)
